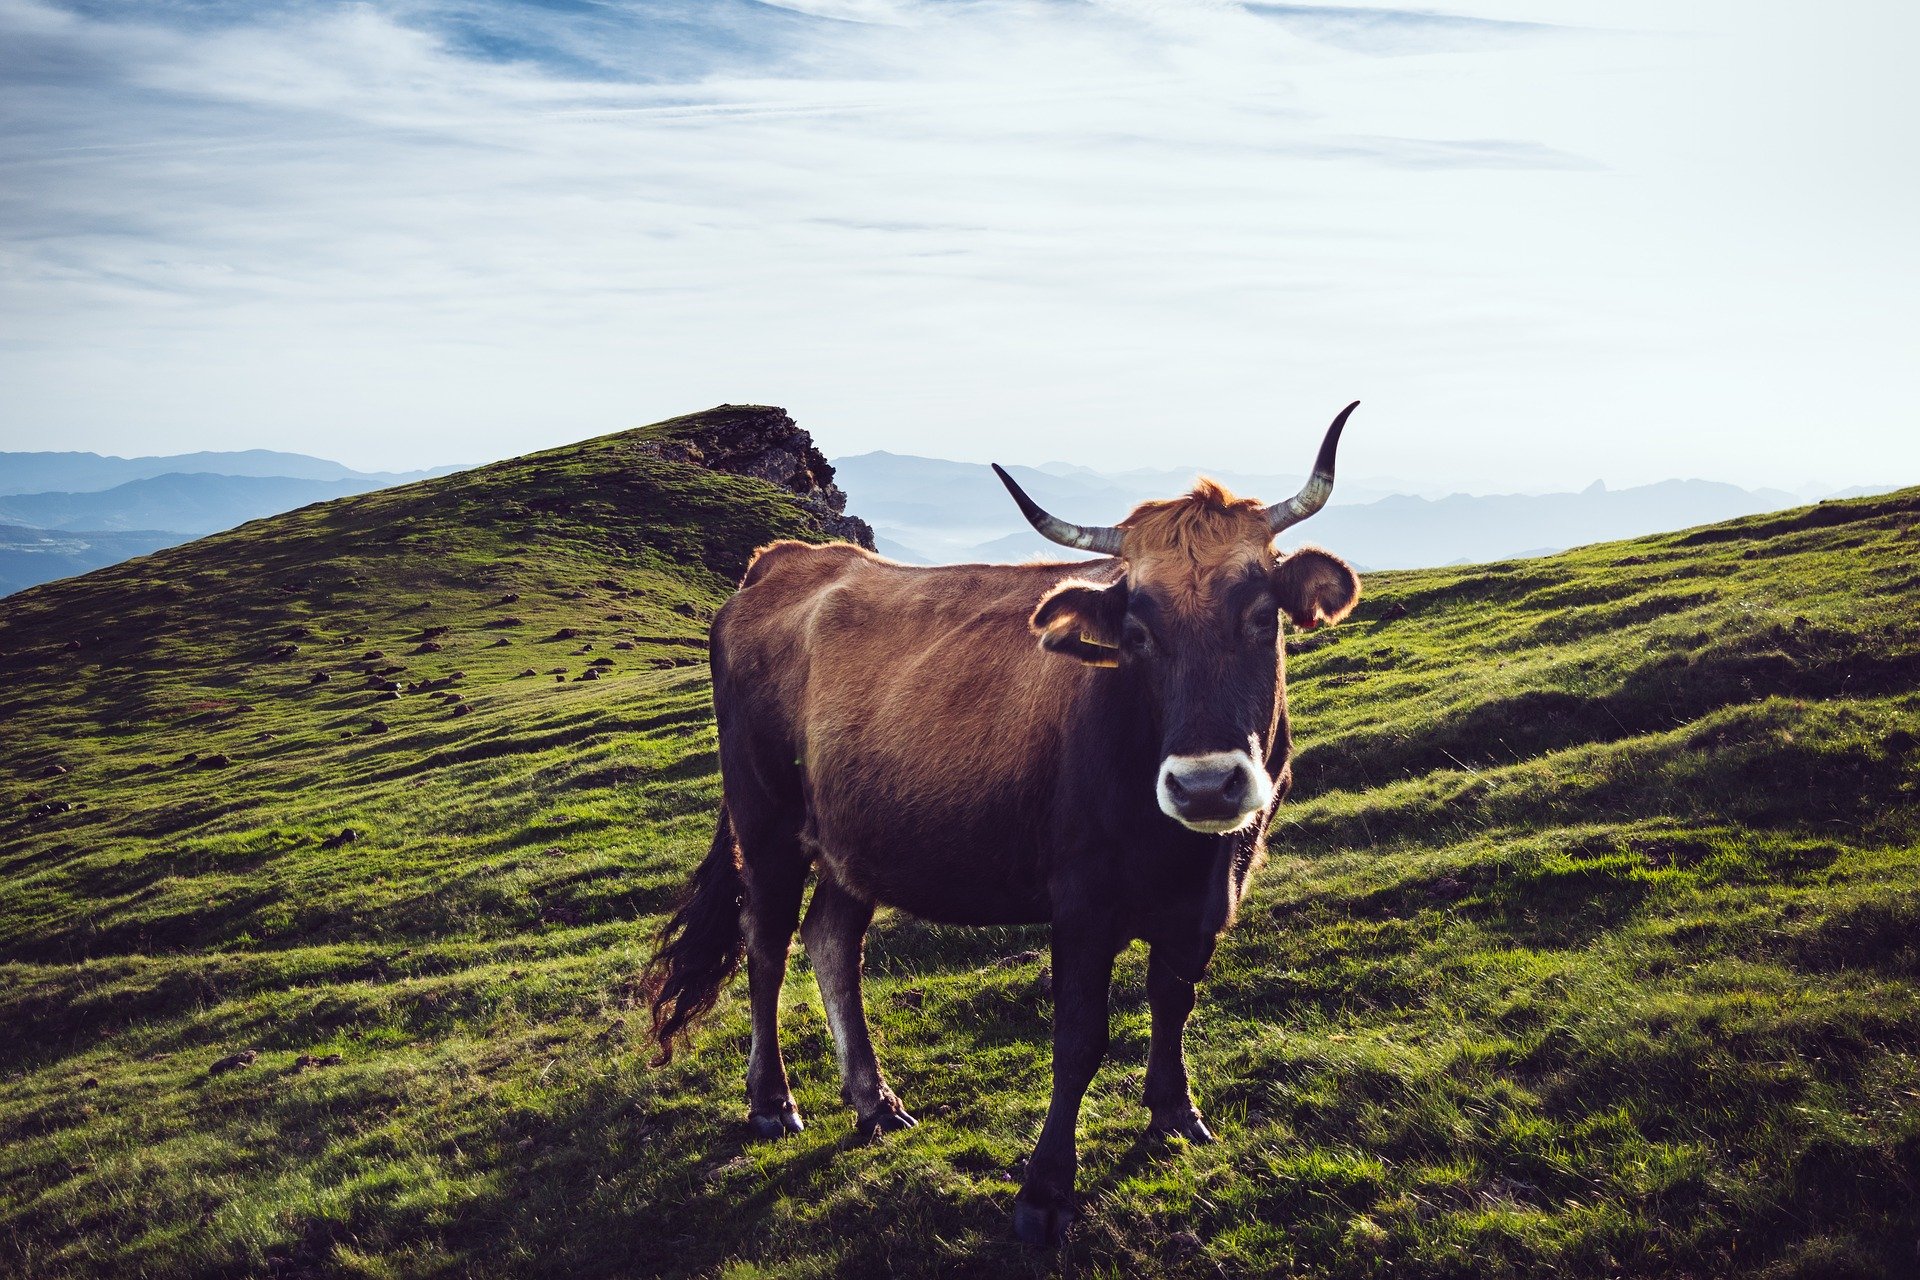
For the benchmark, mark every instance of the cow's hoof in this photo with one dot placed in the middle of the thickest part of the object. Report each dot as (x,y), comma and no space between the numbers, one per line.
(768,1126)
(1041,1226)
(889,1119)
(1192,1128)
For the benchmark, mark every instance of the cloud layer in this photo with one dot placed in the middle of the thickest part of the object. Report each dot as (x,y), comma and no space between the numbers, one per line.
(1540,248)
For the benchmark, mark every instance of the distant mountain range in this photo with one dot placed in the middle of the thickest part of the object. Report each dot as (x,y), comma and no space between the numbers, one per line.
(935,511)
(92,472)
(67,513)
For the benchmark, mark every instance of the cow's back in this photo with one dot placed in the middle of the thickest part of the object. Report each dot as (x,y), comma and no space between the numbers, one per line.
(918,711)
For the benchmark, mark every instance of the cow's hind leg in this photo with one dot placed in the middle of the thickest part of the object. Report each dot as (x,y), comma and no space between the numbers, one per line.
(1169,1096)
(775,871)
(835,934)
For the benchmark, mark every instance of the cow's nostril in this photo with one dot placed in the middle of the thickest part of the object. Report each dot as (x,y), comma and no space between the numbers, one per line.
(1176,788)
(1234,786)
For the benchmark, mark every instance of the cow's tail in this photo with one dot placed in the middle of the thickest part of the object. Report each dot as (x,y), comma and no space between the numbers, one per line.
(700,947)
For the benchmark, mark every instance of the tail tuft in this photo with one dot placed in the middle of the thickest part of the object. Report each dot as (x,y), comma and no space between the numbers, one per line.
(700,948)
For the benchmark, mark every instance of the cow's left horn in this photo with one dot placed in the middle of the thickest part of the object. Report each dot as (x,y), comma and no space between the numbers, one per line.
(1319,486)
(1088,537)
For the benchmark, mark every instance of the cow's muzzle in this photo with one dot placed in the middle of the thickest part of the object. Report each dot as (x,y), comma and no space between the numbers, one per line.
(1215,792)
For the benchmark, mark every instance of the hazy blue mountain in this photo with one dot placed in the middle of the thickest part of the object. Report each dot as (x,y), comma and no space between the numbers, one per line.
(31,556)
(107,509)
(91,472)
(940,511)
(188,504)
(1405,532)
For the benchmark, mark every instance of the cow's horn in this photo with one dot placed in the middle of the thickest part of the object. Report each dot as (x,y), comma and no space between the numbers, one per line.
(1319,486)
(1088,537)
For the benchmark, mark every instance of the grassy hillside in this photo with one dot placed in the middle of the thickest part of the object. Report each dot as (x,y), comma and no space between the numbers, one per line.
(1590,941)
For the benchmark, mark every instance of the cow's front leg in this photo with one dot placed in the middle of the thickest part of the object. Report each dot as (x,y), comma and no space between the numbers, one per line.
(1169,1096)
(1082,972)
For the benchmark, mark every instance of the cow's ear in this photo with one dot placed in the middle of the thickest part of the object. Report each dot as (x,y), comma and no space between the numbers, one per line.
(1082,620)
(1315,587)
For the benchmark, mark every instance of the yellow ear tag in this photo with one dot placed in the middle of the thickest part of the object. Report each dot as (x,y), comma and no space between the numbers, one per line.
(1087,638)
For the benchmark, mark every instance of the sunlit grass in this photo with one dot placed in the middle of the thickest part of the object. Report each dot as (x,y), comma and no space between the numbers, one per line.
(1587,944)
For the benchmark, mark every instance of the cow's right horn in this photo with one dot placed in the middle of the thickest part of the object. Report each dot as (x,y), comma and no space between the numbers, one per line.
(1088,537)
(1319,486)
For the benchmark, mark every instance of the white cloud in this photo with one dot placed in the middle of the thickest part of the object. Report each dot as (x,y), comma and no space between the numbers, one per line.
(1139,233)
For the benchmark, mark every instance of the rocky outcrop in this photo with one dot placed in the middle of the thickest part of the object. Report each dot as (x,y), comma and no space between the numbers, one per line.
(762,441)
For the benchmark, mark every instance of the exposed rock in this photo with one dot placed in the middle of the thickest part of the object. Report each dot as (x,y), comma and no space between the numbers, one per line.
(346,835)
(214,761)
(319,677)
(461,709)
(512,597)
(529,672)
(433,633)
(372,655)
(233,1062)
(601,662)
(501,643)
(1393,611)
(429,646)
(566,633)
(623,644)
(508,621)
(762,441)
(53,771)
(307,1060)
(375,726)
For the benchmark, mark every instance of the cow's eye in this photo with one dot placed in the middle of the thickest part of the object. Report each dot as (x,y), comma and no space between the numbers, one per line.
(1263,626)
(1135,638)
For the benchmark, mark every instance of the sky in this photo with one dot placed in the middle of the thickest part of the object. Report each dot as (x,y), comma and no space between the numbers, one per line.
(1543,243)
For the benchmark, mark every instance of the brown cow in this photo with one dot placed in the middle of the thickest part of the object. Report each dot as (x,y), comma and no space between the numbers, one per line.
(896,731)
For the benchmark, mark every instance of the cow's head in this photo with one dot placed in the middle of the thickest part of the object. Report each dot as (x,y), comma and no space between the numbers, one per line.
(1195,618)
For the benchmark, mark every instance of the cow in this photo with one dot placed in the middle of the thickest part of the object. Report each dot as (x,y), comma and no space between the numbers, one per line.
(896,732)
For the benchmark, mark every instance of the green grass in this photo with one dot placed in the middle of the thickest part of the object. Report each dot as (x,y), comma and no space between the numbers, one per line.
(1588,944)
